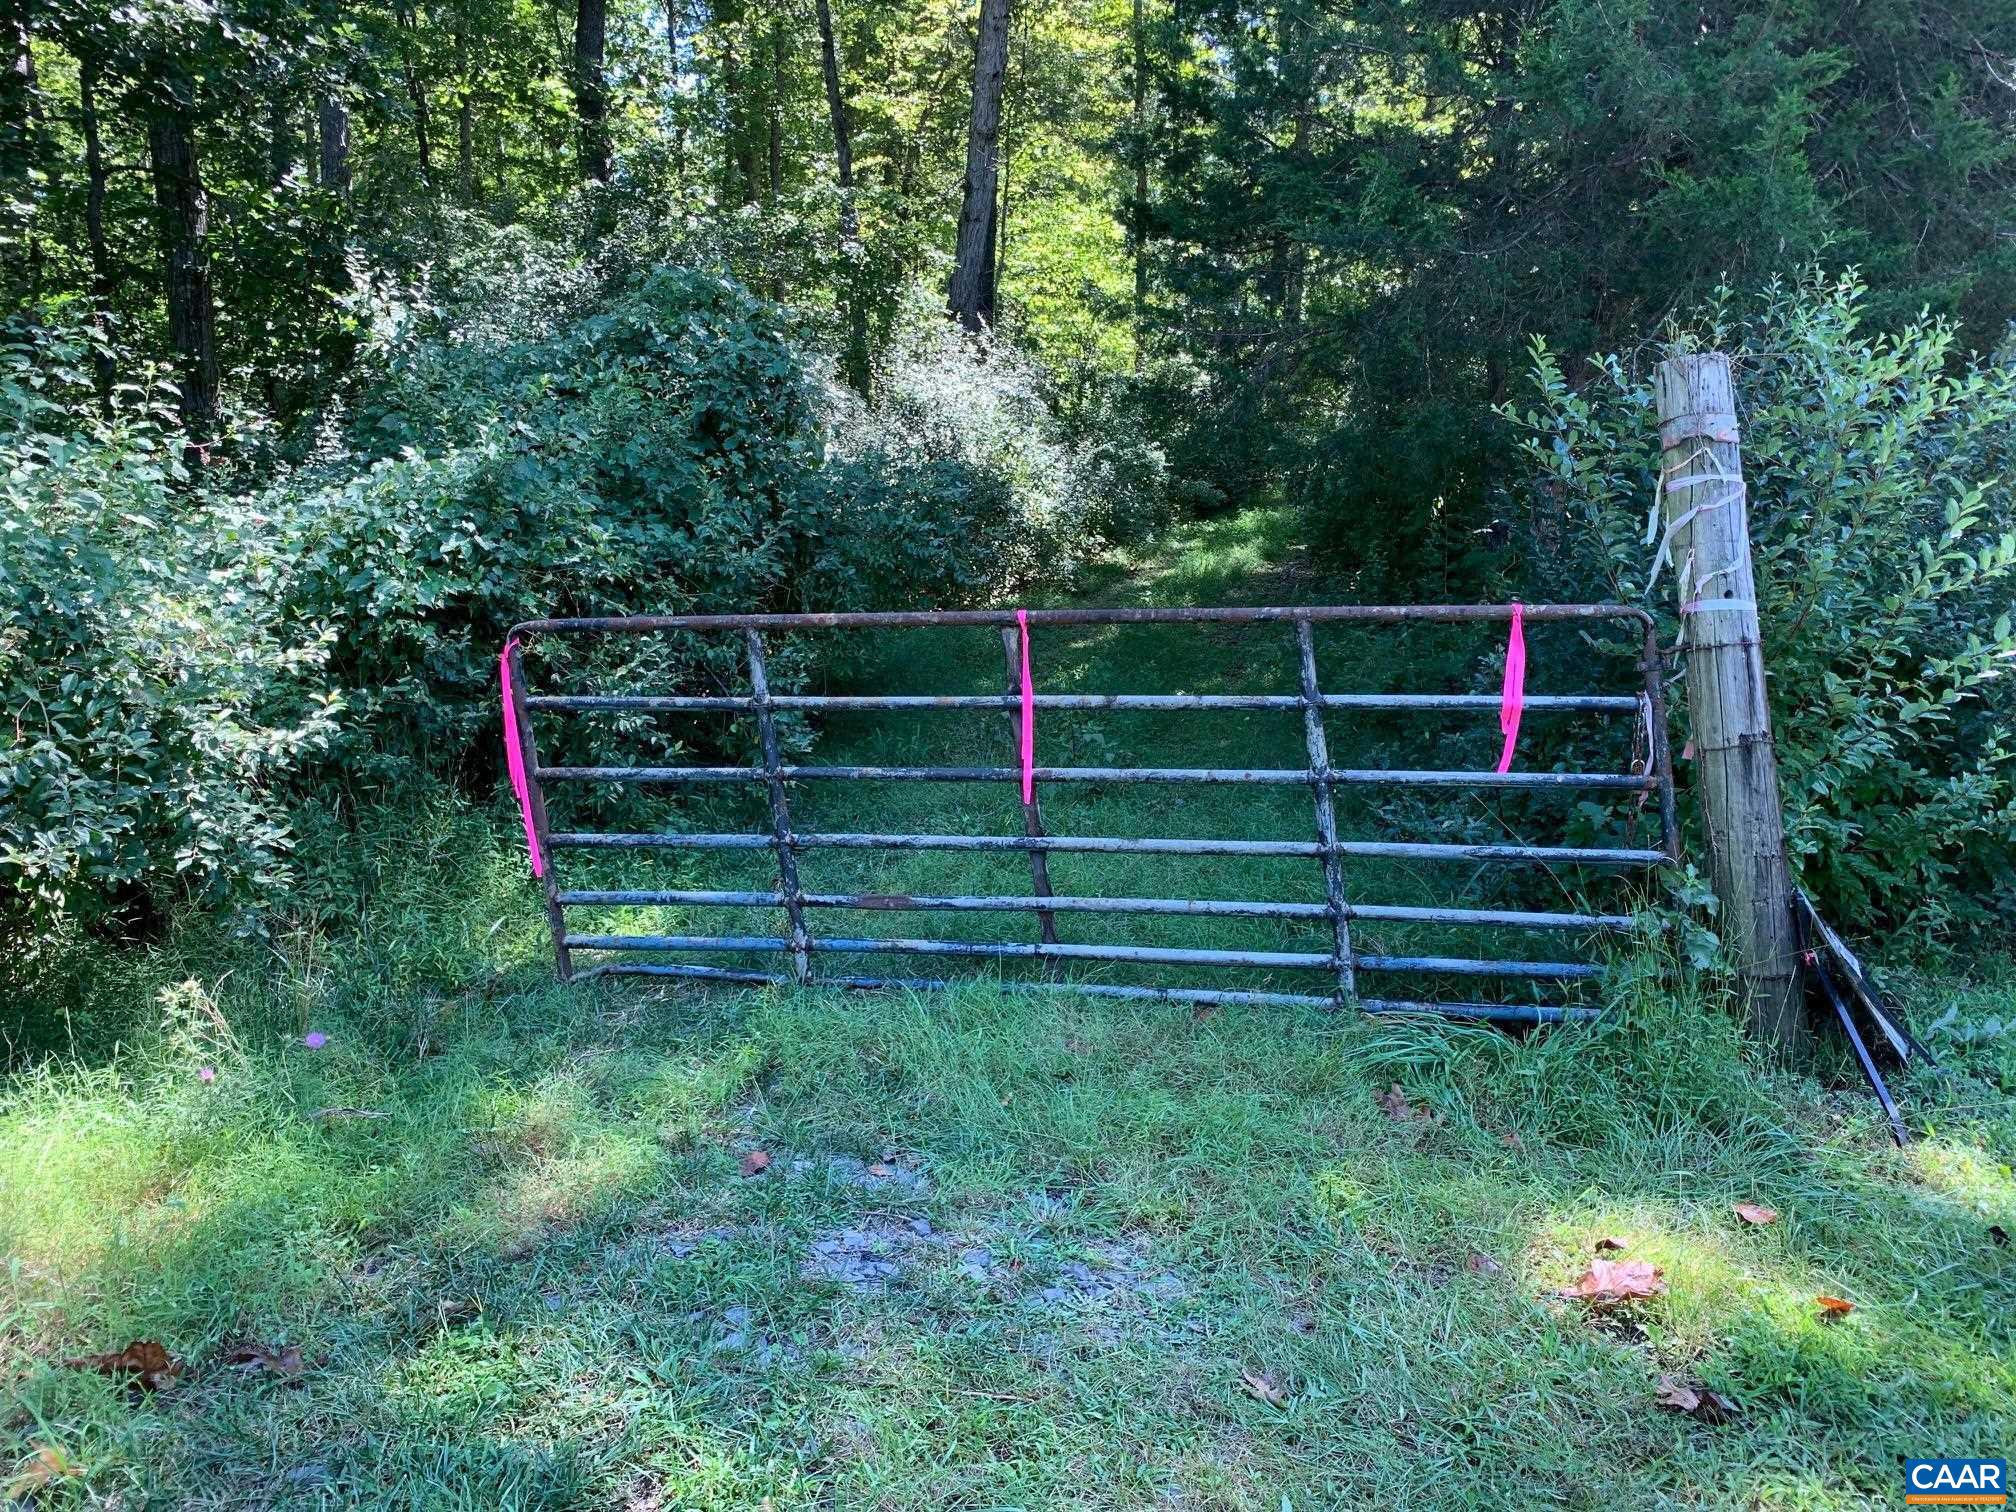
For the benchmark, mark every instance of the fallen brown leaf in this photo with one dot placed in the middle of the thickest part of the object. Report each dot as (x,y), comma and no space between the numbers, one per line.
(1833,1308)
(42,1469)
(755,1163)
(1484,1265)
(1393,1103)
(1751,1212)
(1715,1408)
(143,1363)
(1258,1386)
(1610,1242)
(1677,1394)
(1696,1401)
(253,1358)
(1609,1281)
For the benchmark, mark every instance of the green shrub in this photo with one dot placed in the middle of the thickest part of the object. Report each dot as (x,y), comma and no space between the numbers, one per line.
(154,698)
(1878,468)
(543,443)
(947,397)
(526,436)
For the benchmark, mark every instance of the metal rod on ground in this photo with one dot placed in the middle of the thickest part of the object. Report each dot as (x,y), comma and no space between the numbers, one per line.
(1821,938)
(1326,814)
(528,751)
(1863,1059)
(780,809)
(1509,1013)
(1032,811)
(1705,517)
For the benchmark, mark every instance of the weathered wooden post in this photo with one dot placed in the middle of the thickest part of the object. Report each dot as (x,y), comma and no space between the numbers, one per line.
(1706,520)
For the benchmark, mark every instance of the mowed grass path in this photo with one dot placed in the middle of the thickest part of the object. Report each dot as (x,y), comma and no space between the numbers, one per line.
(1006,1251)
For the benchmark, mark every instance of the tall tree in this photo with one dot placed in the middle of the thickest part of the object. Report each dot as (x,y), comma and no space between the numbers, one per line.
(970,297)
(465,111)
(416,90)
(855,360)
(774,112)
(100,249)
(843,135)
(333,132)
(738,149)
(21,136)
(591,89)
(279,137)
(183,207)
(1137,220)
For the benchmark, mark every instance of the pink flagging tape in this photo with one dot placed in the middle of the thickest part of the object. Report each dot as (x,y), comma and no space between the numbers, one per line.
(514,759)
(1513,700)
(1028,713)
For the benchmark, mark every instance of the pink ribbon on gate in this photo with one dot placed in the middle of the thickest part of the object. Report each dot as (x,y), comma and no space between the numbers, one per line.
(1513,699)
(514,759)
(1028,714)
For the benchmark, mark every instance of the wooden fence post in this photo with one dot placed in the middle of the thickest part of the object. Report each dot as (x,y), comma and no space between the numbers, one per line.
(1706,545)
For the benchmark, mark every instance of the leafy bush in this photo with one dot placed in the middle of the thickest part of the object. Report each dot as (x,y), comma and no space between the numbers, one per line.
(947,397)
(1878,469)
(154,697)
(527,436)
(546,443)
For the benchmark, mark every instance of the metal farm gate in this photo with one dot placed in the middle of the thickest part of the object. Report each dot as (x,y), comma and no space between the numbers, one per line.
(802,946)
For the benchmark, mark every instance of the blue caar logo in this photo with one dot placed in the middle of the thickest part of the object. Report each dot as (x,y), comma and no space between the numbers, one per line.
(1956,1483)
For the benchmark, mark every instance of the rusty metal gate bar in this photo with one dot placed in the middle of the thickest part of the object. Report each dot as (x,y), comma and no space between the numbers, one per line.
(1341,961)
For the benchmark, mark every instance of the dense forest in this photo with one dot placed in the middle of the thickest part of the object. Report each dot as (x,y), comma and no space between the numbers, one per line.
(341,335)
(1331,228)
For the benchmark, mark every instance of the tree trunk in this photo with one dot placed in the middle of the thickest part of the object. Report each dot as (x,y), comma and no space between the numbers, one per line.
(970,294)
(333,126)
(465,115)
(21,135)
(836,109)
(989,266)
(675,15)
(279,141)
(774,114)
(184,213)
(591,92)
(102,282)
(465,148)
(416,91)
(738,156)
(1139,219)
(855,361)
(997,241)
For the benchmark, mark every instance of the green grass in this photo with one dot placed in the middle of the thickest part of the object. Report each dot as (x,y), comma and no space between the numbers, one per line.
(542,1280)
